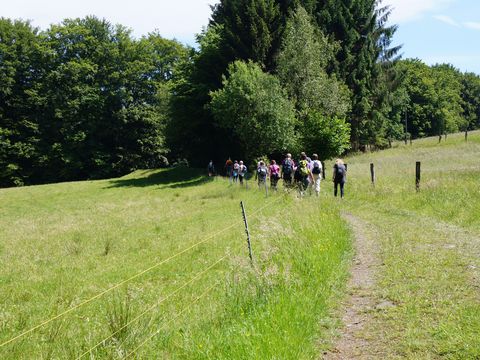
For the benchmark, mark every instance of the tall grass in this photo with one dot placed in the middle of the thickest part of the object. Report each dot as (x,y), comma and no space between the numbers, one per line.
(429,245)
(64,243)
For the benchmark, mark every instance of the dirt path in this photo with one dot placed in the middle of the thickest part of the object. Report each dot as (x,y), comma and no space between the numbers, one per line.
(360,303)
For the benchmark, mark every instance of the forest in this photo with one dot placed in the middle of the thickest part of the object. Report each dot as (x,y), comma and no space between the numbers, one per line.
(85,99)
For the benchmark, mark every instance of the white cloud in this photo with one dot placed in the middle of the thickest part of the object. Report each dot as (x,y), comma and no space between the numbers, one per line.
(472,25)
(447,20)
(408,10)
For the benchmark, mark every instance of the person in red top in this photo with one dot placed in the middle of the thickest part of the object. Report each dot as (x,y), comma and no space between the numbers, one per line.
(229,168)
(274,172)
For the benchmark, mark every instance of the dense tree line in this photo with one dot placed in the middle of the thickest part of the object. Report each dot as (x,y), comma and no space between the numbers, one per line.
(337,67)
(439,99)
(81,100)
(84,99)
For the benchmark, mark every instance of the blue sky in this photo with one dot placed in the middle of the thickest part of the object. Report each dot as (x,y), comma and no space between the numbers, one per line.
(439,31)
(431,30)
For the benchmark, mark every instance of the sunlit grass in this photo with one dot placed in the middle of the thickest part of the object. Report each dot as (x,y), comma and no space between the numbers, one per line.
(64,243)
(429,245)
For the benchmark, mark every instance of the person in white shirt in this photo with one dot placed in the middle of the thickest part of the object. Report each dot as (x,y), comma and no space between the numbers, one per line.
(316,171)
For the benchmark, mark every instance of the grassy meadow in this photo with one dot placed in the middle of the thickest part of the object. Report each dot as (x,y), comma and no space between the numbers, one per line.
(428,244)
(63,244)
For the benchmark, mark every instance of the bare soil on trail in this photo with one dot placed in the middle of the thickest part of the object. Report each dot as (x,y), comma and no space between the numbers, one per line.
(358,307)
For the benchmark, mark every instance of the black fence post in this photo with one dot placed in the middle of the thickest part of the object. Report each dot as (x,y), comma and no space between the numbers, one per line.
(372,173)
(418,175)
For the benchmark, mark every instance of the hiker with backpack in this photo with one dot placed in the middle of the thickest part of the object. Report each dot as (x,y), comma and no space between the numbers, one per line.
(261,174)
(304,174)
(211,169)
(339,177)
(274,172)
(242,172)
(316,171)
(236,167)
(229,168)
(288,168)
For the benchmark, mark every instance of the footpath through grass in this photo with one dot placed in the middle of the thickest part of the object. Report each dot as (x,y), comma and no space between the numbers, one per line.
(63,244)
(428,243)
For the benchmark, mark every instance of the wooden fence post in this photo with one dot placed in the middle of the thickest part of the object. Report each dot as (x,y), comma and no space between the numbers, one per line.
(417,175)
(246,230)
(372,173)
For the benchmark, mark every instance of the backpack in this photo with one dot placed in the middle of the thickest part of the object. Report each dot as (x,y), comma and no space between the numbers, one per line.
(262,172)
(287,167)
(304,167)
(340,173)
(316,167)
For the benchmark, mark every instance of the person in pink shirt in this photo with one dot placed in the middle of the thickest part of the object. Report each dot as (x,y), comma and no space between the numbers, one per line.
(274,172)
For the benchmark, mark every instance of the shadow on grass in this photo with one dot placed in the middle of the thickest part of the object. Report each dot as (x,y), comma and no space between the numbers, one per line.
(173,178)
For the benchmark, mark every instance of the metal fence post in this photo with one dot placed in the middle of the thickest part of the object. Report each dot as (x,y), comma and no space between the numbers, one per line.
(247,231)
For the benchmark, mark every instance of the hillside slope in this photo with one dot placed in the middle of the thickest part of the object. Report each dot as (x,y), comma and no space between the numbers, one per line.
(155,264)
(108,251)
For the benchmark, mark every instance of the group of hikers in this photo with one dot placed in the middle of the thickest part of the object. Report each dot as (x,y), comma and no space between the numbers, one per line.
(305,174)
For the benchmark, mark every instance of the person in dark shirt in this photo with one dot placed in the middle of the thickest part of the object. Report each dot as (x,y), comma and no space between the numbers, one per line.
(339,177)
(288,168)
(262,172)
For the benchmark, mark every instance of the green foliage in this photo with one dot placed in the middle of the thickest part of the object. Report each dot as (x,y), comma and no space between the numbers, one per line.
(20,57)
(254,105)
(191,132)
(435,103)
(302,61)
(325,135)
(471,100)
(449,114)
(251,29)
(320,99)
(360,27)
(82,100)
